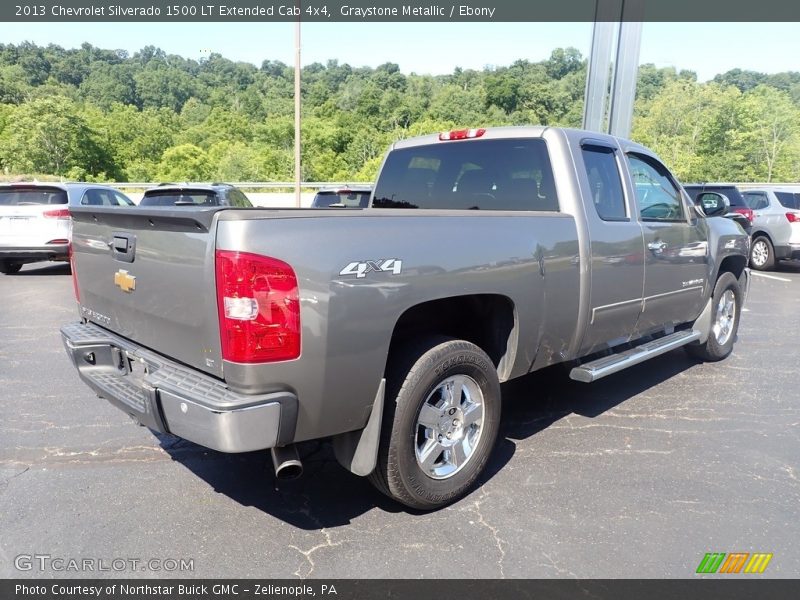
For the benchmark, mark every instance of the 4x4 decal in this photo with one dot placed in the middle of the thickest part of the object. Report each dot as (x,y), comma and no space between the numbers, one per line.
(383,265)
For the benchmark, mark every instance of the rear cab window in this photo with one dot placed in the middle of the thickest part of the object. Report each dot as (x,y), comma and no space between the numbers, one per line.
(29,196)
(502,174)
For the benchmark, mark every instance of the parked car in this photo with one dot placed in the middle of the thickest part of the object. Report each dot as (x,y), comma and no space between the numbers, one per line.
(35,219)
(487,254)
(776,227)
(739,211)
(351,196)
(193,195)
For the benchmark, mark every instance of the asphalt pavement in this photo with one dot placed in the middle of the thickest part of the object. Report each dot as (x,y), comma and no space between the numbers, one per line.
(638,475)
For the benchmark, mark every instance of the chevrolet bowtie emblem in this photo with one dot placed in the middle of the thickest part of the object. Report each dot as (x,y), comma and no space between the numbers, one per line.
(124,281)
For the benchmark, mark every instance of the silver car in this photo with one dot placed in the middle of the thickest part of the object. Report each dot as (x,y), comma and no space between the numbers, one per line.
(776,225)
(35,223)
(346,196)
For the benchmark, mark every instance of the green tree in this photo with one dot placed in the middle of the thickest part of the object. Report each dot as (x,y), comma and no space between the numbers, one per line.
(49,135)
(186,162)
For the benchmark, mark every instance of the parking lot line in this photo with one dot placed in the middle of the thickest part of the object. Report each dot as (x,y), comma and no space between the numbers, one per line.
(775,277)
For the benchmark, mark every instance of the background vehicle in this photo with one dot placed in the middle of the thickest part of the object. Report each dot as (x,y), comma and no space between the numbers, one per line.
(35,219)
(776,227)
(351,196)
(212,194)
(739,212)
(487,254)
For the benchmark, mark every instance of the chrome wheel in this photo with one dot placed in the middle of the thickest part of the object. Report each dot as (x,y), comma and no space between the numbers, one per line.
(760,253)
(724,318)
(449,426)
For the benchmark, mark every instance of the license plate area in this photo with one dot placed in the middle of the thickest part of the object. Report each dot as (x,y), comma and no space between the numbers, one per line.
(137,369)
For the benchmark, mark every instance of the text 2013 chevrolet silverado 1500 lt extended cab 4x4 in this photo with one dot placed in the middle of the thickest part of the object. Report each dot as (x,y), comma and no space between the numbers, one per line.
(485,255)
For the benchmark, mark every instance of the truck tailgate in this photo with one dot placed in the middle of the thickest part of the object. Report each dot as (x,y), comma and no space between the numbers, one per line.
(146,275)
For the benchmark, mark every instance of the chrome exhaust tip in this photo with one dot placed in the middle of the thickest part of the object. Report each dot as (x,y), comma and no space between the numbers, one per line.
(286,462)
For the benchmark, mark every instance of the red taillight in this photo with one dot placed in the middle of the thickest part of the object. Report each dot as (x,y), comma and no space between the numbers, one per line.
(461,134)
(747,212)
(793,217)
(59,241)
(58,213)
(74,273)
(259,308)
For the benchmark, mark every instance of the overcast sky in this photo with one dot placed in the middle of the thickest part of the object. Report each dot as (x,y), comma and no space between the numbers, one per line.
(435,48)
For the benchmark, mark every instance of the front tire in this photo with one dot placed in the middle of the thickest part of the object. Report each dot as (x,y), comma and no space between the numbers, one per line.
(726,304)
(440,422)
(10,268)
(762,254)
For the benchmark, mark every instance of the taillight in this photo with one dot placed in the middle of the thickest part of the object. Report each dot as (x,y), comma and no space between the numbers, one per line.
(747,212)
(259,308)
(793,217)
(461,134)
(58,213)
(74,273)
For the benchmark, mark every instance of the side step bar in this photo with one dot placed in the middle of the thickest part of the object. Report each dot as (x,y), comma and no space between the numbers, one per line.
(592,371)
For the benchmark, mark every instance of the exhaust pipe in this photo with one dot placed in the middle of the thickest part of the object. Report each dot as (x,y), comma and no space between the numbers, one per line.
(286,462)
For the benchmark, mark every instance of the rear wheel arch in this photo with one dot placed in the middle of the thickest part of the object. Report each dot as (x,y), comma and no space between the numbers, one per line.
(762,233)
(489,321)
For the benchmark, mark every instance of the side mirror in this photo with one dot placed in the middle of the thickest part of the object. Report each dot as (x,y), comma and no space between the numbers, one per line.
(713,204)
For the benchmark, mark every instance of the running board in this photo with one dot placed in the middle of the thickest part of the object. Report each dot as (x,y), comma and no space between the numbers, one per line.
(592,371)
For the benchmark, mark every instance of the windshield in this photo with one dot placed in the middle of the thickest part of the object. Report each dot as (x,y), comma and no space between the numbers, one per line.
(789,199)
(346,198)
(180,198)
(28,196)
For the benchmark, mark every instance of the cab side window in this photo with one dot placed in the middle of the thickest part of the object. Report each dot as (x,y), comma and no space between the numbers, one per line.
(657,194)
(604,182)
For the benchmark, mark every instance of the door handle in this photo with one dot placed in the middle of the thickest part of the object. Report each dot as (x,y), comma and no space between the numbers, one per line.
(658,246)
(123,246)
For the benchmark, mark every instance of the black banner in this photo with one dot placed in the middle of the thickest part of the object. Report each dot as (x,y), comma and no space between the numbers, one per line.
(251,589)
(399,11)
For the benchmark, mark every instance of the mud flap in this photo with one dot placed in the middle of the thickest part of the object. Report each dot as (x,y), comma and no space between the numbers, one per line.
(703,323)
(357,451)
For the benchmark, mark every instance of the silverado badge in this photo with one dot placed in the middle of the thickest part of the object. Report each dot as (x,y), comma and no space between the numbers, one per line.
(124,281)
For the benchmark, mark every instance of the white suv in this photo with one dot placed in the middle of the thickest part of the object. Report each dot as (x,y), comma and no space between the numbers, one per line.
(776,225)
(35,222)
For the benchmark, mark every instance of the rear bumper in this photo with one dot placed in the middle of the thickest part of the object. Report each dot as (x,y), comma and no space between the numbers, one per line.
(788,251)
(171,398)
(29,254)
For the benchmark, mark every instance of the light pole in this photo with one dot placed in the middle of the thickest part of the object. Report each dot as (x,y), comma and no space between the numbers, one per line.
(297,172)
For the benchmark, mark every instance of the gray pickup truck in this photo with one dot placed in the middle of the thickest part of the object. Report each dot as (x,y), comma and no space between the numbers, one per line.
(486,254)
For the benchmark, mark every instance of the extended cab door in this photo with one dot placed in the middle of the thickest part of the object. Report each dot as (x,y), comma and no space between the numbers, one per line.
(676,248)
(616,246)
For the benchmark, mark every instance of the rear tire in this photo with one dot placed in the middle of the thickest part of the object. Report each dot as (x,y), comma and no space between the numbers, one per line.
(440,422)
(762,254)
(726,307)
(10,268)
